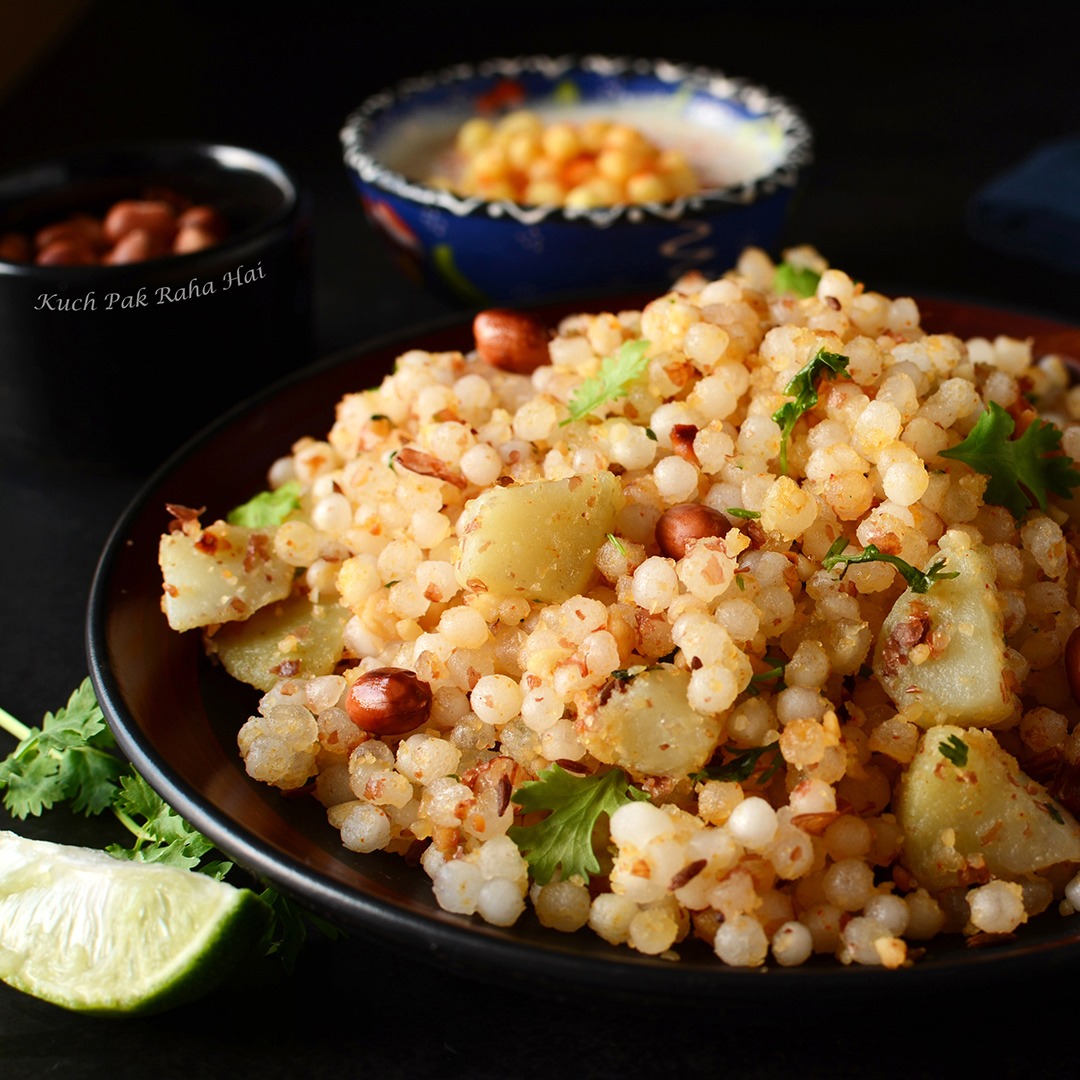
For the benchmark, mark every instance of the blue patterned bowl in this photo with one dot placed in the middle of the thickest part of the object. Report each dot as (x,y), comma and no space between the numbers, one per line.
(481,252)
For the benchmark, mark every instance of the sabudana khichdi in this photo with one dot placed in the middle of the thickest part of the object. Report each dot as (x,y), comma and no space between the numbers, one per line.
(751,615)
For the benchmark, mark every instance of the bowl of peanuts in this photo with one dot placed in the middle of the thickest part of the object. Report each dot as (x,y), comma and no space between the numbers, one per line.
(516,180)
(183,259)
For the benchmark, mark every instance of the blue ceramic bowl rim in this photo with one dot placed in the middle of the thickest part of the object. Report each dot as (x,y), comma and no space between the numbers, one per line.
(797,136)
(226,156)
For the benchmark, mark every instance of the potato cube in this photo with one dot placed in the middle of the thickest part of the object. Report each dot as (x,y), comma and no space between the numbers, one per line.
(944,650)
(539,540)
(290,639)
(645,724)
(222,574)
(964,804)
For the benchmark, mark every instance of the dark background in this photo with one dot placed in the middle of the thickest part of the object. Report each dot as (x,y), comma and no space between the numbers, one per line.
(914,106)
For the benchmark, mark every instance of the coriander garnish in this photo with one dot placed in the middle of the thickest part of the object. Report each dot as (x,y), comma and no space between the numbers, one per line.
(801,387)
(955,750)
(918,580)
(1022,471)
(611,382)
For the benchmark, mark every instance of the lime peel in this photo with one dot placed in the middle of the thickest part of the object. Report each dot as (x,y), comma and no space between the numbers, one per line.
(99,935)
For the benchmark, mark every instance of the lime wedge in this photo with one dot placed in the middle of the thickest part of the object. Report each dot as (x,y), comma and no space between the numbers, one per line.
(100,935)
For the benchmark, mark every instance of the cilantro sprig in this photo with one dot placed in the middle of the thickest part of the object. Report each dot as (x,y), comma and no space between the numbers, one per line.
(162,836)
(919,581)
(69,759)
(611,381)
(742,766)
(1022,471)
(564,838)
(268,508)
(822,363)
(800,280)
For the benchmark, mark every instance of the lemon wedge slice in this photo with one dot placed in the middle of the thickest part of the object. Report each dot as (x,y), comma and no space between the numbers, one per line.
(97,934)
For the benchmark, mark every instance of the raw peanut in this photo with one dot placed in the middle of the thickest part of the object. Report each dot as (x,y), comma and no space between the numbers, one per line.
(79,227)
(388,701)
(680,524)
(192,238)
(511,340)
(152,215)
(133,230)
(14,247)
(138,245)
(66,252)
(178,202)
(206,218)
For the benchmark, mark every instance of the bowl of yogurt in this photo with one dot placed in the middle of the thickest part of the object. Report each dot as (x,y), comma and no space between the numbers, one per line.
(516,180)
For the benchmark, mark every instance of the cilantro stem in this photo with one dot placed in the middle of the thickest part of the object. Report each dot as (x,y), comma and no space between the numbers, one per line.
(775,672)
(918,581)
(131,825)
(13,726)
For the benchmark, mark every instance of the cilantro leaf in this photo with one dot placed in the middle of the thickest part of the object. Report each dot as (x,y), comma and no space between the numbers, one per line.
(955,750)
(741,767)
(1021,471)
(739,512)
(67,758)
(287,932)
(268,508)
(164,836)
(801,387)
(615,375)
(800,280)
(564,837)
(919,581)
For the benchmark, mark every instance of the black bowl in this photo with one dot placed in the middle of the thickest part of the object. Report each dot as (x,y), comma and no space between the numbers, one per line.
(176,716)
(122,363)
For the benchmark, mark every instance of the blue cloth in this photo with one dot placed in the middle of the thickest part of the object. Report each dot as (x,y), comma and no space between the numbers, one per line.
(1033,210)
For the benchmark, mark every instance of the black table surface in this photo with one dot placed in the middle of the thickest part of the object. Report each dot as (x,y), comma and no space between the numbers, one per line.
(914,107)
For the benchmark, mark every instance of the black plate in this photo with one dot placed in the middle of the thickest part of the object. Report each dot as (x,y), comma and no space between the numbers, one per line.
(176,717)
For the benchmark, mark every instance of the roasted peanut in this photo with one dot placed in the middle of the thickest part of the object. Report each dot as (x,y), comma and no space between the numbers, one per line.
(203,217)
(14,247)
(133,230)
(682,441)
(152,215)
(511,340)
(66,251)
(80,227)
(681,524)
(388,701)
(158,193)
(595,164)
(192,238)
(137,245)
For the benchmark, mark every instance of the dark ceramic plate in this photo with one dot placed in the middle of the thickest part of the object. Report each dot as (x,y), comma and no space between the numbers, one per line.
(176,717)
